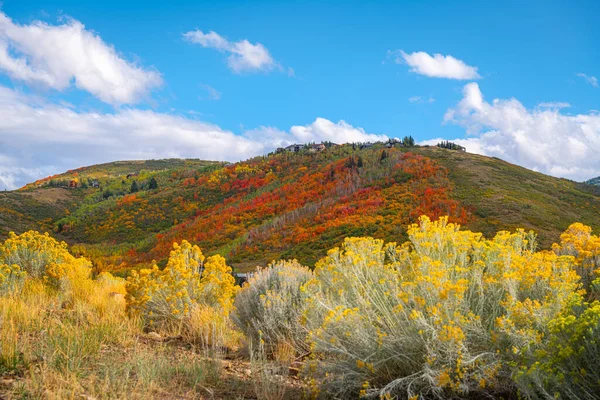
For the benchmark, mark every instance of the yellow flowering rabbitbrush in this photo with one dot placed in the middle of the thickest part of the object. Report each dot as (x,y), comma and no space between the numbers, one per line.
(11,278)
(443,315)
(165,297)
(578,241)
(567,365)
(41,256)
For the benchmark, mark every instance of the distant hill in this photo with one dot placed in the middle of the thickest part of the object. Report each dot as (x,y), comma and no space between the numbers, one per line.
(110,171)
(40,204)
(594,181)
(290,204)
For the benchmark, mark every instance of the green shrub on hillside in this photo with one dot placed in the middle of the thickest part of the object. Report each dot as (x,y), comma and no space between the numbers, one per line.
(568,366)
(270,305)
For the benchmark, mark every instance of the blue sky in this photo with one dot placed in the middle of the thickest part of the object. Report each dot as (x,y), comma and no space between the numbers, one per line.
(309,70)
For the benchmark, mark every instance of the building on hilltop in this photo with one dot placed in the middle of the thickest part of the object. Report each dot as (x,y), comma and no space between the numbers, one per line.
(314,148)
(294,148)
(392,143)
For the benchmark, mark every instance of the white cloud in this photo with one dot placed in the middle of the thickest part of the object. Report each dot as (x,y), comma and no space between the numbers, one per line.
(210,92)
(38,139)
(325,130)
(541,139)
(554,105)
(421,99)
(55,55)
(320,130)
(592,80)
(243,55)
(438,66)
(12,177)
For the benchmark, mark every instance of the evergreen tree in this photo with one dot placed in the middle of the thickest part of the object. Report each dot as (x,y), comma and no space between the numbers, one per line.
(350,163)
(446,144)
(384,155)
(134,187)
(153,184)
(359,162)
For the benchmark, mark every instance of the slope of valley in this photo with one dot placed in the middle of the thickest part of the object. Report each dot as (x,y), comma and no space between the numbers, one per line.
(288,205)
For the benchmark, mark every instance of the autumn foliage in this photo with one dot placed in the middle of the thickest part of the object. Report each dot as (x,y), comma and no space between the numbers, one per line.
(274,204)
(447,314)
(40,256)
(164,298)
(280,206)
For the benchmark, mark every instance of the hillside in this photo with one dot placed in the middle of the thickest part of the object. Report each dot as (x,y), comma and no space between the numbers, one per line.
(40,204)
(290,205)
(35,209)
(109,172)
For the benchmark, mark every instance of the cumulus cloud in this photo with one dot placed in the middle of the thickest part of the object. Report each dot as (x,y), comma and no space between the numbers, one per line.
(54,56)
(243,55)
(592,80)
(541,139)
(325,130)
(436,66)
(38,139)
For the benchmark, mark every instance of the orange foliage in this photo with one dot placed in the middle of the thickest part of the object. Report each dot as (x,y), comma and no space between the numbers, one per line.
(313,200)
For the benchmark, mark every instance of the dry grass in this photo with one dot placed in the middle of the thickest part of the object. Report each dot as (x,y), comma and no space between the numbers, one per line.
(269,376)
(80,343)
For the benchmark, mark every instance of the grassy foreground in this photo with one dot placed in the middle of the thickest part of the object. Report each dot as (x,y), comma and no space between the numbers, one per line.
(448,314)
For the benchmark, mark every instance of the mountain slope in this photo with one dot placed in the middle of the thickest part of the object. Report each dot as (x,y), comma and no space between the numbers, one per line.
(40,204)
(295,205)
(35,209)
(108,172)
(506,196)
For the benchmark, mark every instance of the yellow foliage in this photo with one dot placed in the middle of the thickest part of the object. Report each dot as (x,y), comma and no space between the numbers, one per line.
(578,241)
(11,278)
(567,366)
(420,314)
(218,284)
(76,272)
(447,314)
(166,297)
(40,255)
(217,176)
